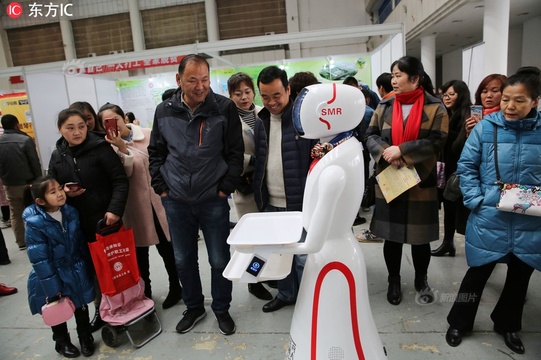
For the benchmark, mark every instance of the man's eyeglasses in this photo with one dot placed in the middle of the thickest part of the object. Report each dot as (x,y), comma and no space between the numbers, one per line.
(450,95)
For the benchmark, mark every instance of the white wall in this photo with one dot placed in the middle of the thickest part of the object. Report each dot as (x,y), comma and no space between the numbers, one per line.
(451,66)
(45,106)
(531,46)
(473,71)
(514,50)
(382,57)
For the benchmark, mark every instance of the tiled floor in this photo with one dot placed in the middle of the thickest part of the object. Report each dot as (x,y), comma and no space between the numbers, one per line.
(408,331)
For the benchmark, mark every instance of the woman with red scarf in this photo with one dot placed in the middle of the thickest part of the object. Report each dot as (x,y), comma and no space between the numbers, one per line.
(409,129)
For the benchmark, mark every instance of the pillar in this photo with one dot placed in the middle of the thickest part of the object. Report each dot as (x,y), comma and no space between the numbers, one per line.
(496,36)
(292,13)
(211,15)
(136,24)
(5,60)
(67,38)
(428,56)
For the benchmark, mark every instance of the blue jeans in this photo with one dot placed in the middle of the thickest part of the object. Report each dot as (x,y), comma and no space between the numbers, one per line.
(184,221)
(288,287)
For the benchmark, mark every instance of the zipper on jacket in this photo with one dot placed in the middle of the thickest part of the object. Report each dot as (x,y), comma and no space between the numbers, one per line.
(77,170)
(201,126)
(263,179)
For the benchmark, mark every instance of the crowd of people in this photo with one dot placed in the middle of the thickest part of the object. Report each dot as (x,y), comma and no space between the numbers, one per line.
(170,182)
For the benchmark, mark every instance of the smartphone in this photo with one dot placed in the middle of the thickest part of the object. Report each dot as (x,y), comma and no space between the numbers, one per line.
(110,125)
(73,186)
(477,111)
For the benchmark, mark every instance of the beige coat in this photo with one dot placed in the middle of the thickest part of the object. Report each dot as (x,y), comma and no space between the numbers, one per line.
(142,198)
(245,204)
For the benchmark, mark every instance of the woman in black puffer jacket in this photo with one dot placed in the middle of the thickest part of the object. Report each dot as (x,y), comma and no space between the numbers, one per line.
(85,158)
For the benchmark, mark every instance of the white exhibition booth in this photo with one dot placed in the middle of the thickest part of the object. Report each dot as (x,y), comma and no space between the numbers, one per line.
(50,90)
(49,93)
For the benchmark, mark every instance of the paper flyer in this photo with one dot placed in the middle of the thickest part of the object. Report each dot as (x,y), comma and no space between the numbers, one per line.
(394,180)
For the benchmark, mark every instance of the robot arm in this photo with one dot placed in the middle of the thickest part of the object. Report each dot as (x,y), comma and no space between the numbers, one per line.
(331,184)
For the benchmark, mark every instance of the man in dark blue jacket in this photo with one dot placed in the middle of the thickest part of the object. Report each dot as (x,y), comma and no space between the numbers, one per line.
(19,166)
(282,161)
(196,157)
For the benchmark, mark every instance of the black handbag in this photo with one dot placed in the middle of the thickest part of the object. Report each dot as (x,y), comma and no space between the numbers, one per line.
(452,191)
(369,195)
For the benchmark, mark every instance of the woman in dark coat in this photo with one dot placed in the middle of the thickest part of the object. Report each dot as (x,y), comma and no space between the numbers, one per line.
(456,99)
(409,129)
(102,186)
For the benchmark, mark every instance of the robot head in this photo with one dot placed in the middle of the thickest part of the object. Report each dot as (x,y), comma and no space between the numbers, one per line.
(325,110)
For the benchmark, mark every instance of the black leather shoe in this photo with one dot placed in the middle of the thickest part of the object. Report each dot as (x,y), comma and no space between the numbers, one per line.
(275,304)
(453,337)
(87,345)
(394,293)
(512,341)
(64,347)
(259,291)
(446,247)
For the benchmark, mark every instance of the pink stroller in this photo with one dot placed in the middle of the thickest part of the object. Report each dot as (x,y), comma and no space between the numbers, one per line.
(123,303)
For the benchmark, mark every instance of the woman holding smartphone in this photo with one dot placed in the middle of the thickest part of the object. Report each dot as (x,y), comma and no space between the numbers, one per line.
(100,185)
(144,211)
(488,95)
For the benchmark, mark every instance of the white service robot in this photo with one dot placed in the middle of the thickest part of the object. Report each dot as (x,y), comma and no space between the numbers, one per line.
(332,317)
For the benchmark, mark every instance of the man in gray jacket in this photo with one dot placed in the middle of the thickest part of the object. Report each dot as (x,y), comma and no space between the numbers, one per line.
(19,166)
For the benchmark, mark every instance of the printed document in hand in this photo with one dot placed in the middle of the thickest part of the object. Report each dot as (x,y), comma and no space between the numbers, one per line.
(394,180)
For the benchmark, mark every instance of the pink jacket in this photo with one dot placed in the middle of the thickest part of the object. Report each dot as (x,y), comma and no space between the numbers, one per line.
(141,198)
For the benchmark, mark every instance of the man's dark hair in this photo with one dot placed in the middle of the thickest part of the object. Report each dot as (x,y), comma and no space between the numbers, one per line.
(191,58)
(351,80)
(271,73)
(367,96)
(301,80)
(9,122)
(385,81)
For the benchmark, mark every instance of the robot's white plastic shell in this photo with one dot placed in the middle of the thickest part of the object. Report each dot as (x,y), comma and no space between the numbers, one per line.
(326,110)
(332,317)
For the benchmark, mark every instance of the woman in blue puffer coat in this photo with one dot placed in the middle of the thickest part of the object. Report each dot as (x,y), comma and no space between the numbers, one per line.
(492,235)
(60,262)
